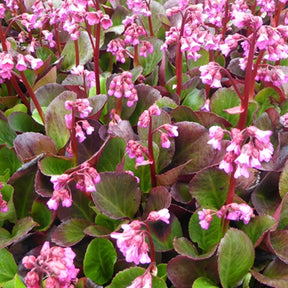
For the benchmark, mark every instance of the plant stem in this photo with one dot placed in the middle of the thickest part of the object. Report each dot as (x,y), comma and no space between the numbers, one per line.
(231,188)
(73,138)
(150,26)
(136,58)
(151,155)
(151,243)
(96,57)
(76,52)
(249,84)
(32,95)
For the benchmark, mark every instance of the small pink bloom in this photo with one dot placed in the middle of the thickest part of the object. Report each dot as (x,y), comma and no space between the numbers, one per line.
(205,217)
(162,215)
(21,64)
(106,22)
(143,281)
(216,134)
(165,142)
(241,170)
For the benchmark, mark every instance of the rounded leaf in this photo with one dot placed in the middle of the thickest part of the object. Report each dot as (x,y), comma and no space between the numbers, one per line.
(235,257)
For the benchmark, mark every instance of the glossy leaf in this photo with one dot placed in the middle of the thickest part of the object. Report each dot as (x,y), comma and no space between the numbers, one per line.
(20,230)
(205,238)
(55,165)
(54,119)
(7,192)
(283,181)
(16,282)
(210,188)
(279,243)
(30,144)
(186,248)
(7,135)
(8,267)
(204,282)
(8,161)
(99,260)
(222,99)
(22,122)
(70,232)
(257,226)
(42,215)
(233,268)
(117,196)
(183,271)
(124,278)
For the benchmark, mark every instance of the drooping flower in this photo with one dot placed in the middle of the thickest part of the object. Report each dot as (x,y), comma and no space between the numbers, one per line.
(143,281)
(132,244)
(56,263)
(216,134)
(162,215)
(205,217)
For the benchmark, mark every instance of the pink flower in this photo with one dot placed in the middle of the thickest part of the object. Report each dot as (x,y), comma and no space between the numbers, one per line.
(143,281)
(34,62)
(117,48)
(216,134)
(162,215)
(205,217)
(87,178)
(146,47)
(241,170)
(106,22)
(132,34)
(210,74)
(262,136)
(56,263)
(132,244)
(165,142)
(21,64)
(227,163)
(236,212)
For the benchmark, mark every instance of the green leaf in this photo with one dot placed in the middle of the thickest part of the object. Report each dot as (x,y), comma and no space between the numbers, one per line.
(148,63)
(204,282)
(264,98)
(205,238)
(20,229)
(22,122)
(7,135)
(42,215)
(116,147)
(124,278)
(195,99)
(55,165)
(8,267)
(16,282)
(7,194)
(210,188)
(17,108)
(118,195)
(163,234)
(235,257)
(55,125)
(279,243)
(222,99)
(70,232)
(283,182)
(203,60)
(257,226)
(85,51)
(99,260)
(8,161)
(186,248)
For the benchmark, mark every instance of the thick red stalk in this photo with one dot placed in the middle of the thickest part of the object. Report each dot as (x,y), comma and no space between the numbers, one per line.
(32,95)
(96,57)
(76,52)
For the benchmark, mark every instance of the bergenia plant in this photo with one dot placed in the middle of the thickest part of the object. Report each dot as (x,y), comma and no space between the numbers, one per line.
(143,144)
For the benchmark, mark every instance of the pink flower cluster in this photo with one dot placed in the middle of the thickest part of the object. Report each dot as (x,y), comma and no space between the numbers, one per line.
(132,241)
(143,281)
(68,16)
(233,211)
(86,177)
(166,130)
(122,85)
(88,76)
(139,7)
(241,153)
(132,34)
(83,108)
(22,63)
(138,151)
(56,263)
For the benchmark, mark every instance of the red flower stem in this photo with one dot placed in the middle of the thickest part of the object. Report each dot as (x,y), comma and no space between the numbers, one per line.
(32,95)
(73,138)
(76,52)
(96,57)
(19,92)
(119,107)
(278,11)
(150,26)
(151,243)
(151,155)
(136,58)
(249,84)
(225,20)
(59,49)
